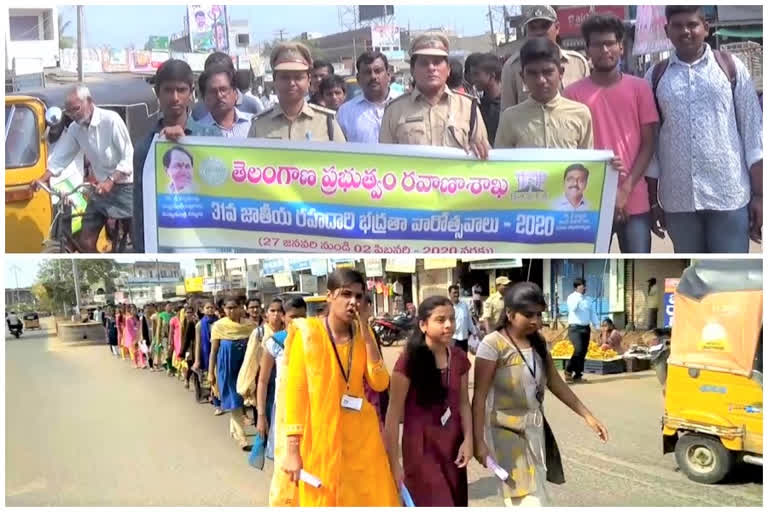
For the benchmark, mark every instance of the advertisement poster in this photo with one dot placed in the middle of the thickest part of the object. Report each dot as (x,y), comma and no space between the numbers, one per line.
(208,28)
(114,60)
(649,31)
(228,195)
(385,36)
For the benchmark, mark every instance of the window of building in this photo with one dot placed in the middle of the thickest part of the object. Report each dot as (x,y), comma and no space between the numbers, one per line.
(24,28)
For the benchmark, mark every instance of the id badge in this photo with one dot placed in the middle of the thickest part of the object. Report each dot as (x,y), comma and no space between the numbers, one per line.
(351,402)
(446,416)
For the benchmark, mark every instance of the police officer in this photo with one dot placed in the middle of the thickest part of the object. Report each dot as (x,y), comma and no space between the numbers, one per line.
(293,118)
(540,21)
(432,114)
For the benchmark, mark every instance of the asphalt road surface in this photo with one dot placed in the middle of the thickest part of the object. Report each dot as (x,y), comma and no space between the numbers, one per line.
(662,246)
(85,429)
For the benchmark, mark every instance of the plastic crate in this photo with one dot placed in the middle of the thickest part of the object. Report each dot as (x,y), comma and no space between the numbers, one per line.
(604,367)
(560,362)
(634,364)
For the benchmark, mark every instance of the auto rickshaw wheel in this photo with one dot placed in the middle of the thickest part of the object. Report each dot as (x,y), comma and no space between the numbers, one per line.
(703,459)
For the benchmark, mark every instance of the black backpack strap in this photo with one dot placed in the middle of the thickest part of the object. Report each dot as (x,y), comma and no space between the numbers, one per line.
(726,63)
(658,71)
(329,125)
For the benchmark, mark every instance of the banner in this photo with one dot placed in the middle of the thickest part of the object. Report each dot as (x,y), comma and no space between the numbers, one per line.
(208,28)
(387,36)
(225,195)
(649,31)
(114,60)
(193,284)
(373,267)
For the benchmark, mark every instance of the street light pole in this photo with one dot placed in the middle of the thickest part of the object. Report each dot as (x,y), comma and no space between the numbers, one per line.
(80,71)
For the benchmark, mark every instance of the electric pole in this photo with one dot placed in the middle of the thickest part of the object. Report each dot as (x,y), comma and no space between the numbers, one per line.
(490,21)
(16,269)
(280,32)
(80,71)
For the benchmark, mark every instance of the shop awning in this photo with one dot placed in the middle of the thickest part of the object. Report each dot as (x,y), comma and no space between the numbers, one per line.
(495,264)
(741,33)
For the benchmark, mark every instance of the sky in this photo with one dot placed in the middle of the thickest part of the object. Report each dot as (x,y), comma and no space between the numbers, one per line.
(119,26)
(26,267)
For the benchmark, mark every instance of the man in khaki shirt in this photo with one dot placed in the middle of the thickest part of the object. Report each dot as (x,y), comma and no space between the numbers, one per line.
(493,307)
(545,119)
(432,114)
(540,21)
(293,118)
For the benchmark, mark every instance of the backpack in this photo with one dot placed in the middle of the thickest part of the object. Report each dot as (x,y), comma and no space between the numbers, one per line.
(724,60)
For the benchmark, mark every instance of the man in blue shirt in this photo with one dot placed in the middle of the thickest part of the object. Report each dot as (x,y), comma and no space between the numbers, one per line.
(173,86)
(580,316)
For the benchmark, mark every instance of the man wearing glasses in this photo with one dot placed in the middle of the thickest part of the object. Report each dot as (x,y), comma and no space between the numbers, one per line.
(540,21)
(103,136)
(220,97)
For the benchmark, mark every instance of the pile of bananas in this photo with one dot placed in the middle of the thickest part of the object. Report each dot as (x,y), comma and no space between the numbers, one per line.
(598,354)
(562,348)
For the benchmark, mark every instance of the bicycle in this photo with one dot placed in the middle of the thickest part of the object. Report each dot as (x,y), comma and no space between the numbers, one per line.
(61,240)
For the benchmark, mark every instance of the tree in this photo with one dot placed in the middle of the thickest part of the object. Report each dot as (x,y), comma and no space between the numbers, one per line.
(65,41)
(56,279)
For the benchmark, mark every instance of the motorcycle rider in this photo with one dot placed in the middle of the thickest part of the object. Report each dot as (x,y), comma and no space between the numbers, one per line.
(14,321)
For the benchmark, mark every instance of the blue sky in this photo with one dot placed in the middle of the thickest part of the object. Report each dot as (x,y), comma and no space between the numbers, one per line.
(122,25)
(28,265)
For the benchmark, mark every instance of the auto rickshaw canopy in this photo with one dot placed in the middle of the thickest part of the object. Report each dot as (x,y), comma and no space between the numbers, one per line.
(718,311)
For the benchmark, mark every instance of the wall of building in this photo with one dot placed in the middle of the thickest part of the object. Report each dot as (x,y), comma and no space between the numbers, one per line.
(637,273)
(27,39)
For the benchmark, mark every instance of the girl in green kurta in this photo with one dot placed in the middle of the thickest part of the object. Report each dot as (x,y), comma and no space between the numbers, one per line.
(512,370)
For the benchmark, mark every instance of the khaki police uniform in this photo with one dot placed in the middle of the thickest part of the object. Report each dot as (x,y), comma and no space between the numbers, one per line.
(455,121)
(513,90)
(314,123)
(311,125)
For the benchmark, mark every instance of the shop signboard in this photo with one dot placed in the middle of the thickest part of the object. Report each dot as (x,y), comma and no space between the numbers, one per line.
(283,279)
(571,18)
(373,267)
(670,285)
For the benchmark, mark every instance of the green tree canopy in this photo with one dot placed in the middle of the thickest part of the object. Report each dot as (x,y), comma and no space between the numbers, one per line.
(55,278)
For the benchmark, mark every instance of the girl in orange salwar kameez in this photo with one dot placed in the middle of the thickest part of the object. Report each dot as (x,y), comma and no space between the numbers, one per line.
(328,428)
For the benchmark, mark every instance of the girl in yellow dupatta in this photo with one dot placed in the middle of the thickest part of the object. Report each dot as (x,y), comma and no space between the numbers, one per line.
(329,429)
(228,343)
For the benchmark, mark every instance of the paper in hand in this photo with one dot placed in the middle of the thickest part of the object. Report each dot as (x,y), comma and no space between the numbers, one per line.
(499,471)
(406,496)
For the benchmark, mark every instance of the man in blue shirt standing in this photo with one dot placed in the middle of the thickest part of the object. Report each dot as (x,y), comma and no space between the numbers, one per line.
(580,317)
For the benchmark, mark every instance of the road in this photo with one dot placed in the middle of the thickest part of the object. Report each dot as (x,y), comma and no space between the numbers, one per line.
(664,246)
(84,429)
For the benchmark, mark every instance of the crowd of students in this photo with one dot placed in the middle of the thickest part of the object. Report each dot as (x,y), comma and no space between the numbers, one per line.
(328,411)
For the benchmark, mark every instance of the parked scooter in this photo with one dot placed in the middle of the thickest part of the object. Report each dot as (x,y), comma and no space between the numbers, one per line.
(659,355)
(390,330)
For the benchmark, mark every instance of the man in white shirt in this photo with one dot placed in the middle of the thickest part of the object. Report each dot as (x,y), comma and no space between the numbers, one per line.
(220,98)
(580,317)
(464,324)
(12,320)
(103,136)
(360,117)
(652,304)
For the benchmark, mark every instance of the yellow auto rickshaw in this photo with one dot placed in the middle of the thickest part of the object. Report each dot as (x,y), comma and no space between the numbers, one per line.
(31,321)
(713,415)
(315,303)
(33,122)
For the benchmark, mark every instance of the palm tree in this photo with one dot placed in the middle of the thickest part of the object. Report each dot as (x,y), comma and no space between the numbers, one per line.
(64,41)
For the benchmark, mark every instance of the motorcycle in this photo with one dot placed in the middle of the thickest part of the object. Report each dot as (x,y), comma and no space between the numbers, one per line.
(390,330)
(16,330)
(659,355)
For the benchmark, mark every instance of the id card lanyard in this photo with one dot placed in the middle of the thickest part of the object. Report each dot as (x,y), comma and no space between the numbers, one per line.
(447,414)
(346,374)
(539,392)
